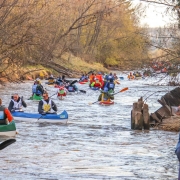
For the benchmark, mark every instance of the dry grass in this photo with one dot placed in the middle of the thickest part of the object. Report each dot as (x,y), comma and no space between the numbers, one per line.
(77,64)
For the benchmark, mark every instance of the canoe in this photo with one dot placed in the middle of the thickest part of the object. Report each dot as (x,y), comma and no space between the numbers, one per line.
(35,97)
(8,130)
(49,118)
(107,103)
(95,88)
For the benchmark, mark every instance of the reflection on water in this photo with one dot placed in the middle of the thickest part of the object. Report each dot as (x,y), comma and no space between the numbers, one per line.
(97,142)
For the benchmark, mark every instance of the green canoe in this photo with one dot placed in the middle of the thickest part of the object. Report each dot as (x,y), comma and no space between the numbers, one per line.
(8,130)
(35,97)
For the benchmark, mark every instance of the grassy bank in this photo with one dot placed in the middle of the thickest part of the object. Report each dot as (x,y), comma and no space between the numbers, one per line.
(74,63)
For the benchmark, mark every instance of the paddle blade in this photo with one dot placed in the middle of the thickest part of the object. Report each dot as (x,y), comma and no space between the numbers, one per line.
(6,143)
(93,103)
(82,91)
(124,89)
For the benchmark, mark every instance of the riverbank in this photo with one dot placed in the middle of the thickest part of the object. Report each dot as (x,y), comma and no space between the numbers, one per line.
(170,124)
(71,67)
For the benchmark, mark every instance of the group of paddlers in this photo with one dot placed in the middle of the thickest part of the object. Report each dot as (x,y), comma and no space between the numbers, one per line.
(46,105)
(105,83)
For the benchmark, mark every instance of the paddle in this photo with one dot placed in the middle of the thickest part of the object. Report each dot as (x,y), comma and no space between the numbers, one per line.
(6,143)
(122,90)
(82,91)
(73,82)
(90,71)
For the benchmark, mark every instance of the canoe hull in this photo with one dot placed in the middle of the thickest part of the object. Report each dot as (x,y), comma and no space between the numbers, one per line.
(8,130)
(35,97)
(95,88)
(53,121)
(83,82)
(106,103)
(49,118)
(8,133)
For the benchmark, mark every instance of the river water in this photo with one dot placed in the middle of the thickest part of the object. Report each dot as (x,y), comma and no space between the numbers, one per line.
(97,142)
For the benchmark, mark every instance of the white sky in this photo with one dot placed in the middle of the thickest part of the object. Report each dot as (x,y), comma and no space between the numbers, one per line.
(155,15)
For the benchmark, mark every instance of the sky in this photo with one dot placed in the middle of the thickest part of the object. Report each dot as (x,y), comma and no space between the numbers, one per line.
(155,15)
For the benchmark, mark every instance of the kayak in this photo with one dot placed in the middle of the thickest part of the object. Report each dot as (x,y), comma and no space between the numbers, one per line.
(106,103)
(95,88)
(35,97)
(49,118)
(8,130)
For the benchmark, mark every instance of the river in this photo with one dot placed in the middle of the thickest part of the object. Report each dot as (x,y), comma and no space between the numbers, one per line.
(97,142)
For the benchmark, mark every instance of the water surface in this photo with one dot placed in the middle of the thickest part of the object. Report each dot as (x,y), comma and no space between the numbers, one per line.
(97,142)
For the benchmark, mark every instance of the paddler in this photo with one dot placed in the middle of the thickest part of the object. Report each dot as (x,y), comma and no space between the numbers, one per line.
(37,88)
(5,115)
(115,76)
(105,95)
(177,151)
(131,76)
(110,85)
(61,90)
(96,83)
(46,104)
(71,87)
(51,79)
(100,78)
(91,78)
(16,103)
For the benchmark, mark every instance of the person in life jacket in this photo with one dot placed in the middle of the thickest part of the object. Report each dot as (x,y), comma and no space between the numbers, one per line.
(51,79)
(82,78)
(105,95)
(100,77)
(5,115)
(63,78)
(91,78)
(46,104)
(72,88)
(115,76)
(110,76)
(37,89)
(58,80)
(131,76)
(177,152)
(16,103)
(96,83)
(110,85)
(61,91)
